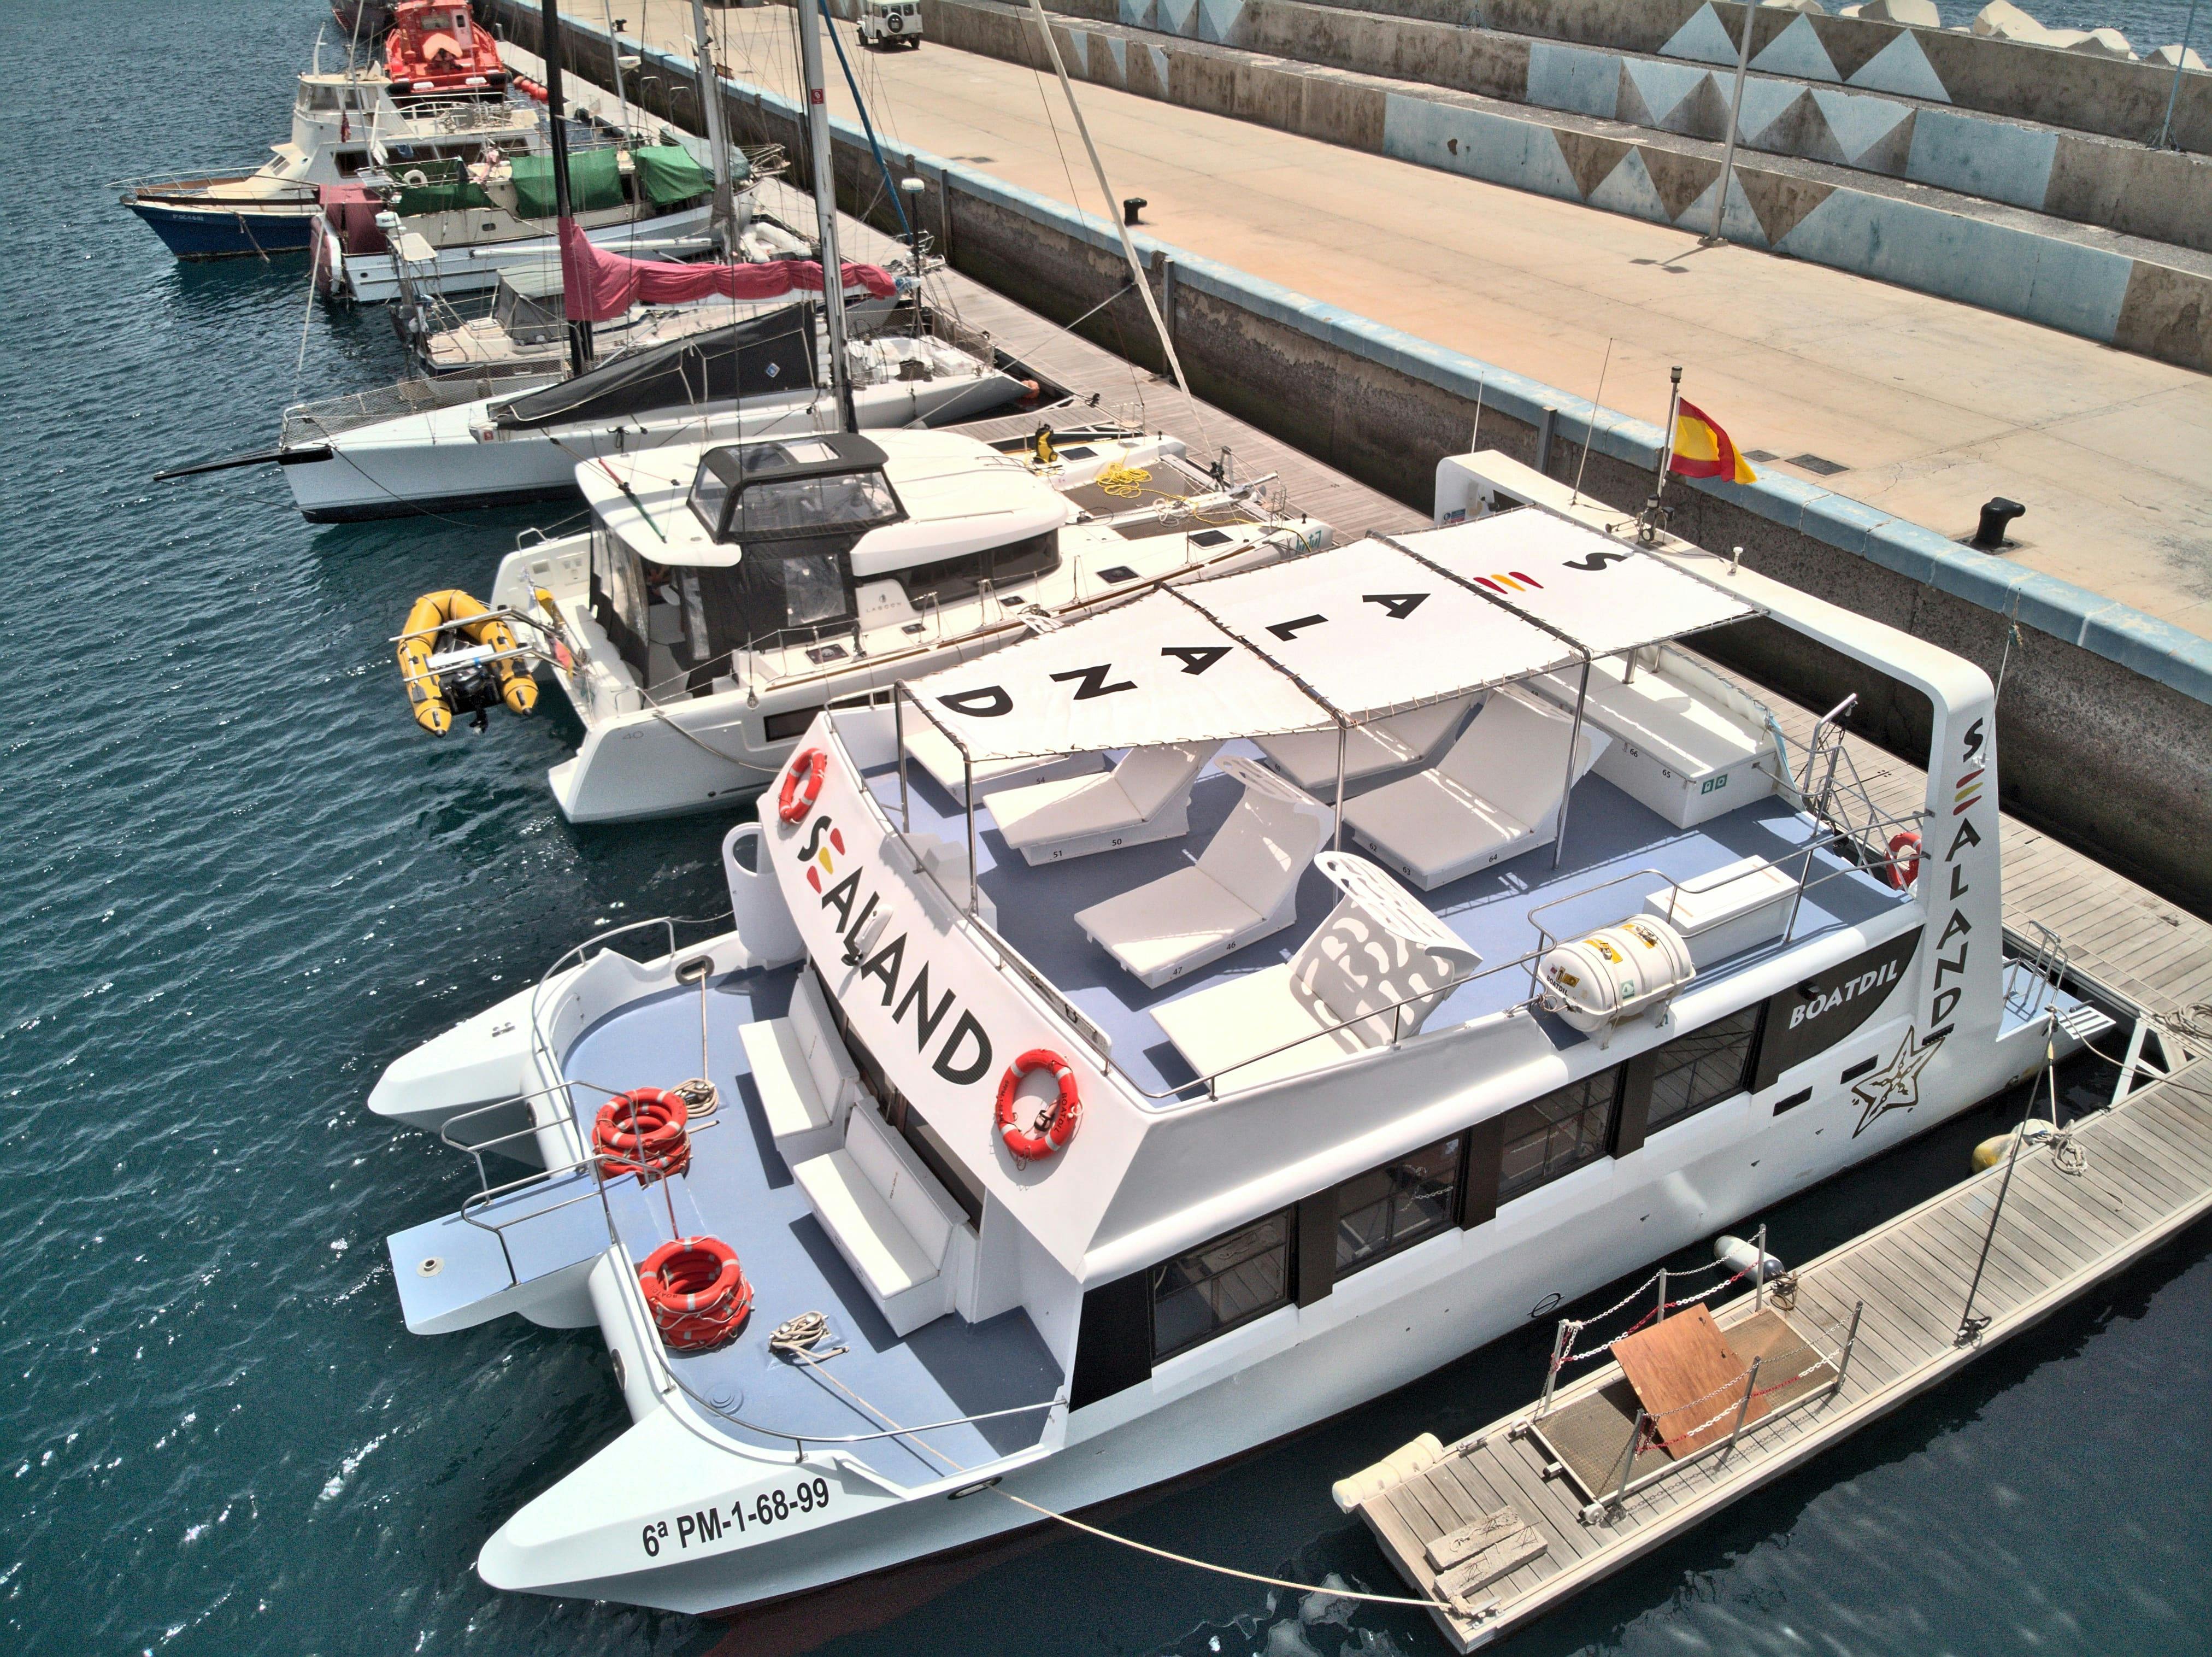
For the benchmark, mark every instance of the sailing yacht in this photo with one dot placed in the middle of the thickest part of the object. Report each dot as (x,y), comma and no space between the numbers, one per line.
(1305,972)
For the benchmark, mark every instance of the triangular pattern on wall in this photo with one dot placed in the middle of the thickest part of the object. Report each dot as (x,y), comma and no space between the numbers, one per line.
(1738,224)
(1218,20)
(1849,42)
(1628,189)
(1703,37)
(1892,151)
(1901,67)
(1120,48)
(1797,52)
(1589,157)
(1769,107)
(1859,123)
(1780,201)
(1650,92)
(1679,180)
(1175,16)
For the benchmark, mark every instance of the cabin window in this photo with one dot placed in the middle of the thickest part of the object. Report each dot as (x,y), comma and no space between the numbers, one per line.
(950,580)
(1552,1136)
(1698,1070)
(1396,1205)
(1231,1280)
(812,506)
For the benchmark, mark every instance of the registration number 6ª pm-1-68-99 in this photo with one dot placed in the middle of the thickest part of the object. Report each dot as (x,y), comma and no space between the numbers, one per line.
(763,1508)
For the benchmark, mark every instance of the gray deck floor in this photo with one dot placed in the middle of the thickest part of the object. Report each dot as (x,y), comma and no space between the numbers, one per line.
(2147,1174)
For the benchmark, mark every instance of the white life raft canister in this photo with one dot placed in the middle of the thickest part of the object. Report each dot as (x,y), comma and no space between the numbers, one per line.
(1612,975)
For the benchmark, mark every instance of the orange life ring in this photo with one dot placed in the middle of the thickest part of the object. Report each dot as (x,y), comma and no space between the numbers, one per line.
(698,1291)
(1055,1124)
(644,1131)
(802,785)
(1902,875)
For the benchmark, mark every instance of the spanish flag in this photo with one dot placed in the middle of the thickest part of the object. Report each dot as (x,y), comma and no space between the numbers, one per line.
(1702,449)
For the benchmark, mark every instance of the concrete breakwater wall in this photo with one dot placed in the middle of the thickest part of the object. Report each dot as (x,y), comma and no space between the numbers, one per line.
(1887,115)
(2132,295)
(2107,736)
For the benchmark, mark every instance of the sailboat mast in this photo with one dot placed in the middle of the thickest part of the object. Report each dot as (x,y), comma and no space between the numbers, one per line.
(825,203)
(723,220)
(579,333)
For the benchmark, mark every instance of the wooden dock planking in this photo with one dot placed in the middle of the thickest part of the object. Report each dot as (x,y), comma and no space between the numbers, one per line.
(2147,1174)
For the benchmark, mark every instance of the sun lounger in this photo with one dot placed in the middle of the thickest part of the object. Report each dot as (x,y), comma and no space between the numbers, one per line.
(1144,798)
(1309,758)
(1371,975)
(1494,796)
(1243,887)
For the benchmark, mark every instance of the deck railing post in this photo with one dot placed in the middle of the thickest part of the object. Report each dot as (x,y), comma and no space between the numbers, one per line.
(1850,1340)
(1758,1272)
(1562,1339)
(1661,1318)
(1628,1459)
(1750,1391)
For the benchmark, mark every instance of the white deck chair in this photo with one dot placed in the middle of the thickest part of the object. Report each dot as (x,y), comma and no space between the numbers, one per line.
(1309,758)
(1243,887)
(1371,974)
(1144,798)
(1494,796)
(934,751)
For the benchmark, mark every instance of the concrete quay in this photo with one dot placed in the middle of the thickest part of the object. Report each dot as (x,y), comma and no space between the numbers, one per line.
(1358,308)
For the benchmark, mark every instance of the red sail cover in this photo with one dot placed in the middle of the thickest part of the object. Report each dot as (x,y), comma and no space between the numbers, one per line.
(598,285)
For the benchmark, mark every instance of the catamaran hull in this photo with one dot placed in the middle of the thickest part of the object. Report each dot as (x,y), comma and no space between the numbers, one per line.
(443,467)
(1378,1331)
(374,278)
(197,233)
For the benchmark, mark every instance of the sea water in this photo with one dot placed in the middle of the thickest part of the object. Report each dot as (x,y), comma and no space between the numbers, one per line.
(236,881)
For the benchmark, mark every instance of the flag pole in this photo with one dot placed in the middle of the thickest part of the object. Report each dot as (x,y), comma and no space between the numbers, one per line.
(1649,532)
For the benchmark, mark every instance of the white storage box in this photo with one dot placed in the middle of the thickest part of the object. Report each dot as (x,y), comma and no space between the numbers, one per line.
(1686,743)
(1731,909)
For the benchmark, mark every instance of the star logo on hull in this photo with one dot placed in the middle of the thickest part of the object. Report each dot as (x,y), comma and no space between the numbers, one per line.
(1898,1086)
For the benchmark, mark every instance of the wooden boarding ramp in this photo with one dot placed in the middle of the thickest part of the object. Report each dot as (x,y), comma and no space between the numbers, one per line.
(1536,1506)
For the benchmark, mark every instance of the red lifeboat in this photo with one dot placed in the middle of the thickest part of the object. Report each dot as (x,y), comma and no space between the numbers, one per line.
(436,50)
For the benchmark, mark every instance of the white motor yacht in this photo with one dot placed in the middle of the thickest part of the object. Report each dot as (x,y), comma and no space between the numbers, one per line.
(1424,937)
(724,594)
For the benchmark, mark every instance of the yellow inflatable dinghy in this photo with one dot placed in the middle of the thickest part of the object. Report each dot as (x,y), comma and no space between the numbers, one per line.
(444,678)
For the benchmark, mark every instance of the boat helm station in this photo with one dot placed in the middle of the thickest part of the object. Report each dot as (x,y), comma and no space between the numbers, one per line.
(1175,1026)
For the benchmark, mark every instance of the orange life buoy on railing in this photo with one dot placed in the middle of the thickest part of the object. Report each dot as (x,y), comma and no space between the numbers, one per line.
(802,784)
(698,1291)
(644,1131)
(1902,873)
(1055,1124)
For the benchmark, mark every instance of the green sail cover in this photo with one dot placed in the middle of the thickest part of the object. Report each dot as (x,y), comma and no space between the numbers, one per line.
(445,188)
(595,181)
(670,173)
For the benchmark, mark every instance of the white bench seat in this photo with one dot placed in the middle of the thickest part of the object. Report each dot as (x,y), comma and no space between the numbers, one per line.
(1686,742)
(1735,908)
(804,1073)
(890,1220)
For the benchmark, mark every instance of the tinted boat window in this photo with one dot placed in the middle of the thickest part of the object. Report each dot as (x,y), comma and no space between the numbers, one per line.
(1396,1205)
(1701,1069)
(812,505)
(1231,1280)
(1553,1135)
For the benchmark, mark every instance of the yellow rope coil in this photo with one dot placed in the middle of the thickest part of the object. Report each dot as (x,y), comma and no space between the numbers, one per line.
(1126,482)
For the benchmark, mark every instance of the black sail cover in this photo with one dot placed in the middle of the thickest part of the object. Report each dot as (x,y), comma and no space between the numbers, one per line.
(767,356)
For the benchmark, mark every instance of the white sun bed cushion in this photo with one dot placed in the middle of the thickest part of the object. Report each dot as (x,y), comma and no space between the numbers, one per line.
(889,1218)
(1146,797)
(934,751)
(1309,758)
(1494,796)
(805,1075)
(1340,994)
(1243,887)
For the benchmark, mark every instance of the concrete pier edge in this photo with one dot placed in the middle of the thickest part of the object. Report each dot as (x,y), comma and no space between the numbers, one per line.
(2125,768)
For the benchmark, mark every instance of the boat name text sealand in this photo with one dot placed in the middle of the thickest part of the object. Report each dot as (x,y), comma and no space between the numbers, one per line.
(769,1507)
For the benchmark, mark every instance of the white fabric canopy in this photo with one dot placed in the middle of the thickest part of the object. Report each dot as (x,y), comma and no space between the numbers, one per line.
(1153,672)
(1370,631)
(1606,594)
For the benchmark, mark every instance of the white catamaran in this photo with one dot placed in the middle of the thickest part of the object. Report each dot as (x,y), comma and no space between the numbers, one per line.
(1444,940)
